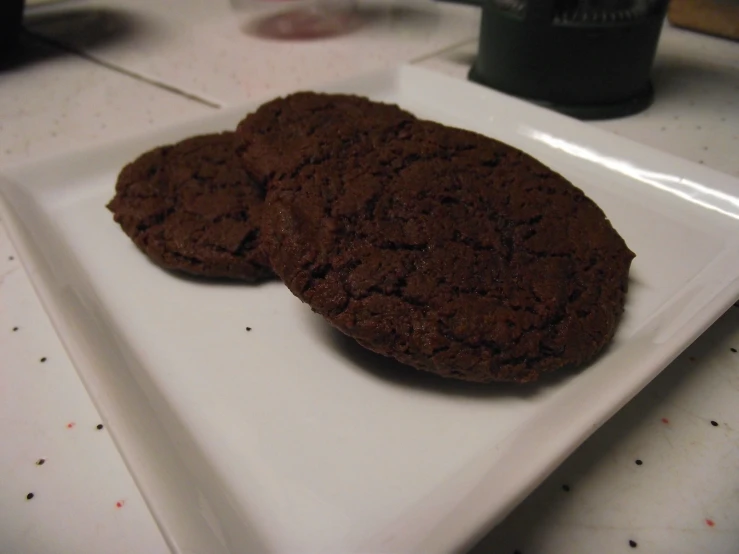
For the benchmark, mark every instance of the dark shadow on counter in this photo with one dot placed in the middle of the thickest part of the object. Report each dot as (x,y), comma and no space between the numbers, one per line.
(84,28)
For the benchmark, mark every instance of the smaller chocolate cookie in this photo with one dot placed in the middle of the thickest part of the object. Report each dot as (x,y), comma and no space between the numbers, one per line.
(276,137)
(191,207)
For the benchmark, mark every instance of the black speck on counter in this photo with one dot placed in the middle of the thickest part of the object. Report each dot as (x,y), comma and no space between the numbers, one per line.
(566,488)
(40,462)
(99,426)
(733,350)
(42,360)
(714,423)
(29,496)
(15,329)
(632,544)
(638,462)
(248,328)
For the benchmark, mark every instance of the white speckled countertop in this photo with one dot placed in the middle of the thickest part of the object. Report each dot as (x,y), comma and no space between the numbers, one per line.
(663,473)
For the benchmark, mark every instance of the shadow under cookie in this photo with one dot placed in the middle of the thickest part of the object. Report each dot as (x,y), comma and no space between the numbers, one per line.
(402,375)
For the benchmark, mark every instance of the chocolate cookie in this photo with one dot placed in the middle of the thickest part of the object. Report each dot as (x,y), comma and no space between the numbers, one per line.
(191,207)
(278,135)
(447,250)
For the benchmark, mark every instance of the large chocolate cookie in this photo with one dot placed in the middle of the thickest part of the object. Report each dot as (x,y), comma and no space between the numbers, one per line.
(191,207)
(448,251)
(281,133)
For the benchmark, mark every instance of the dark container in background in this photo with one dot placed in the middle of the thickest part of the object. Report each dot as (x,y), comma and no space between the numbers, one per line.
(587,58)
(11,18)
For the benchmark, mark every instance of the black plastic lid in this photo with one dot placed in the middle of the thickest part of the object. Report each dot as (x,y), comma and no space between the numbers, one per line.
(587,58)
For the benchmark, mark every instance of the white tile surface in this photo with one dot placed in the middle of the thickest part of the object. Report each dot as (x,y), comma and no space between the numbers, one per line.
(206,48)
(689,469)
(46,414)
(54,101)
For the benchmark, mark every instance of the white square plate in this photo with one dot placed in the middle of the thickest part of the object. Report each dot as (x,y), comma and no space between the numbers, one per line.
(290,438)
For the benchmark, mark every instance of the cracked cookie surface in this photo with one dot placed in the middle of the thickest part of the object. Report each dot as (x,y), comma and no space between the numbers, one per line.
(191,207)
(282,133)
(447,250)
